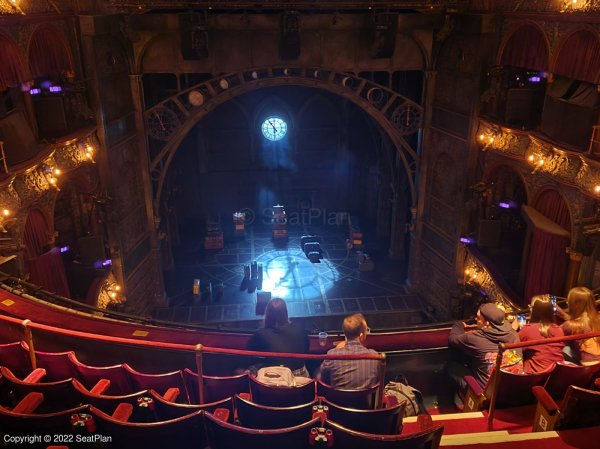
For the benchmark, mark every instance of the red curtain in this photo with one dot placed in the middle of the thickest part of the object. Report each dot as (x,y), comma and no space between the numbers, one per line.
(552,206)
(547,261)
(546,265)
(526,48)
(46,268)
(48,271)
(12,71)
(48,53)
(579,58)
(36,234)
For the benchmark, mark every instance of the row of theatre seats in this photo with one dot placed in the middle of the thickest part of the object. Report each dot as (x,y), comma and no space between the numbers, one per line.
(117,406)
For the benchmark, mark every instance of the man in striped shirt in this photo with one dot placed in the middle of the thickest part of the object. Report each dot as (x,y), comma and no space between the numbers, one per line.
(351,373)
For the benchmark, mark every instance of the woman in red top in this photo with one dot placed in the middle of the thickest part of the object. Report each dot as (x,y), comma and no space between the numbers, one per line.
(541,325)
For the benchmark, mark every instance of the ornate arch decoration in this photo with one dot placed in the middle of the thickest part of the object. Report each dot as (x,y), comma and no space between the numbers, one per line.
(168,122)
(492,172)
(578,56)
(12,68)
(49,53)
(525,46)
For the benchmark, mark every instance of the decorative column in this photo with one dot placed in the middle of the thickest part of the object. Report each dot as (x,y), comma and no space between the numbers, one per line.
(573,268)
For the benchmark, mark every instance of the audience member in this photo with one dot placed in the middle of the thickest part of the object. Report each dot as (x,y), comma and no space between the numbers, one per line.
(351,374)
(281,335)
(582,318)
(479,344)
(541,325)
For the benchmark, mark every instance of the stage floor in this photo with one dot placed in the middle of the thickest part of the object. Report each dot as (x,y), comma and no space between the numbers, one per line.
(333,287)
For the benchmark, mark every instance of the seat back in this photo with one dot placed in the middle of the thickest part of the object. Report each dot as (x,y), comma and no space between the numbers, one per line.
(566,374)
(387,421)
(580,408)
(57,395)
(256,416)
(222,435)
(513,390)
(165,410)
(216,388)
(181,433)
(281,396)
(158,382)
(15,356)
(347,438)
(90,375)
(363,398)
(58,422)
(58,365)
(104,402)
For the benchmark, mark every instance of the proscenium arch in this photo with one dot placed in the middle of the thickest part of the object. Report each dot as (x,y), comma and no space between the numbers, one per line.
(172,119)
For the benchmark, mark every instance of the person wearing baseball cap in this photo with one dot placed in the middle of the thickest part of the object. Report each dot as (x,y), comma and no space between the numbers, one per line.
(479,346)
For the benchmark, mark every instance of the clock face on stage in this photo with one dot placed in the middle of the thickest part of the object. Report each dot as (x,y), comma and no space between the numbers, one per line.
(274,128)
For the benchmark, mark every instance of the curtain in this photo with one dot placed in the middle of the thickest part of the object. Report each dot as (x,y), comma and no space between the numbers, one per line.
(552,206)
(36,235)
(526,48)
(547,261)
(12,71)
(48,53)
(579,58)
(546,265)
(48,271)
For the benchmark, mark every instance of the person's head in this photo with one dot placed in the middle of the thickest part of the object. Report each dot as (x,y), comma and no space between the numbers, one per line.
(489,315)
(542,312)
(276,314)
(355,327)
(581,301)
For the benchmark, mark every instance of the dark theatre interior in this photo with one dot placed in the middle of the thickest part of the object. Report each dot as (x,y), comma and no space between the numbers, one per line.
(169,169)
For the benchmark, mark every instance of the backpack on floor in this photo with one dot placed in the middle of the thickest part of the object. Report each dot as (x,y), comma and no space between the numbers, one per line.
(404,392)
(276,376)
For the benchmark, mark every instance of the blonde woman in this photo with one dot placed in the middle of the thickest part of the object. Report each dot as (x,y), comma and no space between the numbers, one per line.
(582,318)
(541,325)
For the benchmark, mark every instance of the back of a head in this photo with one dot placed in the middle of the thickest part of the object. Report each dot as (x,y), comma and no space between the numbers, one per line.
(581,300)
(542,312)
(276,314)
(354,325)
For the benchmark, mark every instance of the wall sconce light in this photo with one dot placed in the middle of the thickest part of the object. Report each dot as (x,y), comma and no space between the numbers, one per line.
(488,137)
(538,160)
(110,293)
(89,153)
(51,174)
(5,220)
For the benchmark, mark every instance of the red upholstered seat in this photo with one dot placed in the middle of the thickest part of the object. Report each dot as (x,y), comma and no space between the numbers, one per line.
(566,374)
(165,410)
(27,423)
(90,375)
(363,398)
(15,356)
(222,435)
(58,365)
(159,382)
(579,408)
(216,388)
(512,389)
(346,438)
(256,416)
(181,433)
(58,395)
(104,402)
(281,396)
(382,420)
